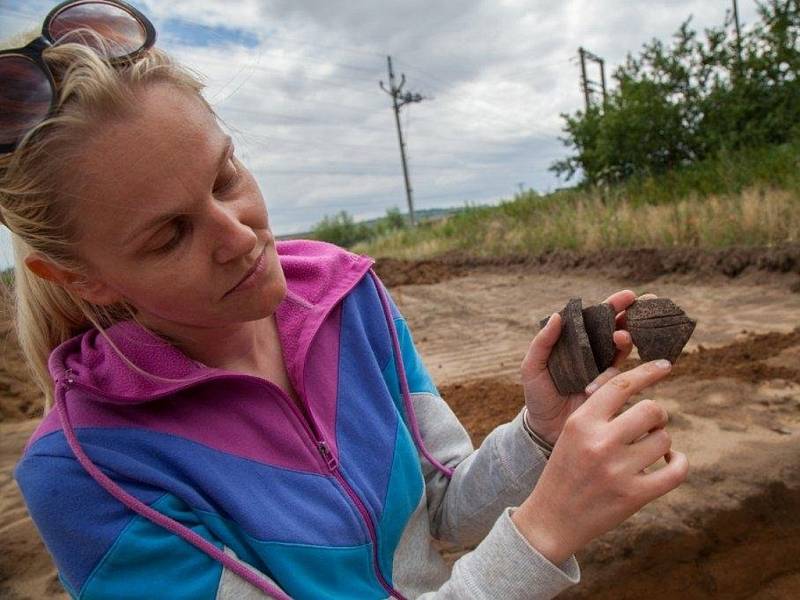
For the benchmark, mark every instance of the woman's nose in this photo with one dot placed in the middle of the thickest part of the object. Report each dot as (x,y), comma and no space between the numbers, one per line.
(232,237)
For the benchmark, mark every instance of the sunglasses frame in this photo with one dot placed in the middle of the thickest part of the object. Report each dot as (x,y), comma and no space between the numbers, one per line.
(33,50)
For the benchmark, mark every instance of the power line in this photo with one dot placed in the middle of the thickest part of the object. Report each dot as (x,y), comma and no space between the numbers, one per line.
(371,53)
(346,84)
(313,121)
(304,142)
(485,106)
(446,84)
(349,107)
(305,58)
(492,114)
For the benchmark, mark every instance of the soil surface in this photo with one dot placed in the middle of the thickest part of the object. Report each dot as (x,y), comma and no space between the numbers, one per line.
(730,531)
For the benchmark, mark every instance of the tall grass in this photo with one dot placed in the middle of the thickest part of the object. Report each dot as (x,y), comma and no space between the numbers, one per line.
(754,217)
(751,199)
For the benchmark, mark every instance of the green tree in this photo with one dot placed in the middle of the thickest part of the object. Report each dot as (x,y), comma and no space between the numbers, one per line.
(393,221)
(341,230)
(675,105)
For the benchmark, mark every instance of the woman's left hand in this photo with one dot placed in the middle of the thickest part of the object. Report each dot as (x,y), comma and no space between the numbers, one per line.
(547,409)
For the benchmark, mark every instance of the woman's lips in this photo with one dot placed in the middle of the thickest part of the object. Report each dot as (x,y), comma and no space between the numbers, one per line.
(251,275)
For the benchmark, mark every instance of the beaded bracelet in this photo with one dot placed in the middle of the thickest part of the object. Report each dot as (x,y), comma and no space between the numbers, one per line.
(546,447)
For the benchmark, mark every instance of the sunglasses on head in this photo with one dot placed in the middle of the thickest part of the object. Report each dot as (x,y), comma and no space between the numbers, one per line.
(113,28)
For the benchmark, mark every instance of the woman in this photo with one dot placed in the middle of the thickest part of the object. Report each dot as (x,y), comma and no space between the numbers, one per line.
(229,416)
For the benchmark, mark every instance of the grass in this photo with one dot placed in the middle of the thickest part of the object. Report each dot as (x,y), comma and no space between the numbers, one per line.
(745,199)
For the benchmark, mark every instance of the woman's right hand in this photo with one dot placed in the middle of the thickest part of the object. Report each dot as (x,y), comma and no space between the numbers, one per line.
(594,478)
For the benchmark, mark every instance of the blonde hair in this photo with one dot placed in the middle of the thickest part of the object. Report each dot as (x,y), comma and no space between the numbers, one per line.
(37,210)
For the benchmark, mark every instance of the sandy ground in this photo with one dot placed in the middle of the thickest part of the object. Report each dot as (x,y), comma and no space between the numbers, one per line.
(731,531)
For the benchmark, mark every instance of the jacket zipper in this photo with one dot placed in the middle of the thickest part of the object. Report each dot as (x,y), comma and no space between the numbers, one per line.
(333,467)
(316,437)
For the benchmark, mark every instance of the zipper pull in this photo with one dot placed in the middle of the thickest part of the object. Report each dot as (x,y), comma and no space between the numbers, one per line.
(327,455)
(69,378)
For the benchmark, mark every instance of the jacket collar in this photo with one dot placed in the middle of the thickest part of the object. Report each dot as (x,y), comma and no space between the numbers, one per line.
(318,275)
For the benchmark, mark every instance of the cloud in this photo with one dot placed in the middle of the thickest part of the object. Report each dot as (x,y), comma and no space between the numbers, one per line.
(297,82)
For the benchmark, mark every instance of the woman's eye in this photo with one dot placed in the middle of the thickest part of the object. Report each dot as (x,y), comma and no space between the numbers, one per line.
(229,180)
(180,230)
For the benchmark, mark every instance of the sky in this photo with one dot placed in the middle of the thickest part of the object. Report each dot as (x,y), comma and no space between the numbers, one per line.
(296,83)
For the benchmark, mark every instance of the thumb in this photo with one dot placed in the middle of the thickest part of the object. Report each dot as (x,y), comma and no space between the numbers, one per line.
(542,345)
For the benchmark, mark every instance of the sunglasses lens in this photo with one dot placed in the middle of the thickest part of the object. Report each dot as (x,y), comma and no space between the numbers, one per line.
(121,31)
(25,97)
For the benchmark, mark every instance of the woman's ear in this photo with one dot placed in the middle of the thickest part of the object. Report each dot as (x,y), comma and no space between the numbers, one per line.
(41,267)
(91,290)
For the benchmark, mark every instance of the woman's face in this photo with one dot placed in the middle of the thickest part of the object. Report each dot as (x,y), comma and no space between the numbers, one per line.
(170,220)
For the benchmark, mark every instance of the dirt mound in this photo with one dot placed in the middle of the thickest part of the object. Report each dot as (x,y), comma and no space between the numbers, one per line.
(744,360)
(729,554)
(483,404)
(635,264)
(393,271)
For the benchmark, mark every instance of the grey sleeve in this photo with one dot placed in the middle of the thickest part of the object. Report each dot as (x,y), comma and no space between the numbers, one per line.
(477,503)
(502,472)
(504,565)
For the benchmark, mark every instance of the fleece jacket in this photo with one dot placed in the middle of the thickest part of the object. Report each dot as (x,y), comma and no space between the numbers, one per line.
(211,483)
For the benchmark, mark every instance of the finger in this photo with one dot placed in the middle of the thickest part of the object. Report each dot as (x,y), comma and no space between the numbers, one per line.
(624,345)
(542,344)
(649,450)
(620,321)
(667,478)
(639,419)
(620,300)
(610,398)
(600,380)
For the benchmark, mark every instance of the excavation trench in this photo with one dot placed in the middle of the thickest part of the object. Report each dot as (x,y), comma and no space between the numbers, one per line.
(732,529)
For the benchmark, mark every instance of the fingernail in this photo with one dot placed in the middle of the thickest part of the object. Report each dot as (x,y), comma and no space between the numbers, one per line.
(592,388)
(663,363)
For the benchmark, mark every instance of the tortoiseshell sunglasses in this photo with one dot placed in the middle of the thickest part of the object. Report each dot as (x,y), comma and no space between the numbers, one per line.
(27,88)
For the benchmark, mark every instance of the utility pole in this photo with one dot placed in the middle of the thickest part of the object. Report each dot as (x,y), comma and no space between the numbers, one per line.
(588,84)
(399,99)
(603,80)
(584,80)
(738,36)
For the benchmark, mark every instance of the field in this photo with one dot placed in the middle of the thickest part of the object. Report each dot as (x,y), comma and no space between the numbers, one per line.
(730,531)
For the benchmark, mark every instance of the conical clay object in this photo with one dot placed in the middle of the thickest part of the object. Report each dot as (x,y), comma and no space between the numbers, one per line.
(599,321)
(571,363)
(659,328)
